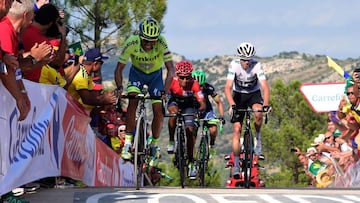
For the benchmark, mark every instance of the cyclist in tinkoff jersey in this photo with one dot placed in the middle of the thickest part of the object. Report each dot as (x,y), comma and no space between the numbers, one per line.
(181,96)
(246,79)
(148,51)
(209,91)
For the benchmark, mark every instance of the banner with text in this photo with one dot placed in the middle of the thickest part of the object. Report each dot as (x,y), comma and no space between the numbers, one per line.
(54,140)
(323,97)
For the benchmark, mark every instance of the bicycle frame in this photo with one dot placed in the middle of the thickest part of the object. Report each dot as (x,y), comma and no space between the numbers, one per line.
(180,150)
(203,153)
(141,152)
(248,146)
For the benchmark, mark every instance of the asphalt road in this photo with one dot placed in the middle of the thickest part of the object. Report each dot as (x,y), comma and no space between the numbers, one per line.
(198,195)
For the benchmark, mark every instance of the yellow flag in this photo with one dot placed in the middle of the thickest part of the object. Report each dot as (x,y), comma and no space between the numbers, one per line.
(337,68)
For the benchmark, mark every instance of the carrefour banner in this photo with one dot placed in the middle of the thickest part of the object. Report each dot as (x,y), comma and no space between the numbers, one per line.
(54,140)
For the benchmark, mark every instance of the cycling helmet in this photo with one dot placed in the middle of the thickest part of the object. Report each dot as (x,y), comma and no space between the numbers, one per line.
(184,67)
(246,50)
(199,75)
(149,29)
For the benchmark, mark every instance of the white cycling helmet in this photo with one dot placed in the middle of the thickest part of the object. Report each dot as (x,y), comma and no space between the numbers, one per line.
(246,50)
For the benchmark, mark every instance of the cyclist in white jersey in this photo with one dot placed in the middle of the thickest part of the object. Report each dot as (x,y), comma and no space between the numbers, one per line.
(245,80)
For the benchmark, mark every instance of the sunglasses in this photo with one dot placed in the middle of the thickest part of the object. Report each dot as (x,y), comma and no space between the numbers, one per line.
(246,60)
(121,130)
(182,77)
(349,93)
(327,138)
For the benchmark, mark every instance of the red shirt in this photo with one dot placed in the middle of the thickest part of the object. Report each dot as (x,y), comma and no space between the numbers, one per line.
(9,39)
(190,90)
(31,36)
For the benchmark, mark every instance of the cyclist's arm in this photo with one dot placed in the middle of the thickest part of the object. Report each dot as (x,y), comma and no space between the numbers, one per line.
(118,75)
(220,105)
(170,74)
(228,92)
(266,91)
(202,105)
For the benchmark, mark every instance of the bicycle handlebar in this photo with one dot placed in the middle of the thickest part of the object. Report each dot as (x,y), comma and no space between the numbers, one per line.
(248,110)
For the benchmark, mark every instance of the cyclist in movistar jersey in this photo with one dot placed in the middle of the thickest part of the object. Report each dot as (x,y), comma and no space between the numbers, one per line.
(209,91)
(245,79)
(148,51)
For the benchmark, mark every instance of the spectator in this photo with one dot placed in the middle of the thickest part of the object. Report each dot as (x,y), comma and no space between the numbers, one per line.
(81,87)
(46,17)
(9,62)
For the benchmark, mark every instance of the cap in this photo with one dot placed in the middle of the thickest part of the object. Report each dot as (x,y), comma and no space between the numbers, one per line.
(318,140)
(122,127)
(310,151)
(337,133)
(94,54)
(55,44)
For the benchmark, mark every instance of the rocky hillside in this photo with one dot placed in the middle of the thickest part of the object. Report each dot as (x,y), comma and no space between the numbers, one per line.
(285,66)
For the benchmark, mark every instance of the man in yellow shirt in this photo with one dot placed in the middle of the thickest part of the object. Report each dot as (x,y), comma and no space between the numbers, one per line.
(81,87)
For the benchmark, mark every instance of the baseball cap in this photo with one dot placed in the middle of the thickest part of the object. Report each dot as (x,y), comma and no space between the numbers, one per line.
(318,140)
(94,54)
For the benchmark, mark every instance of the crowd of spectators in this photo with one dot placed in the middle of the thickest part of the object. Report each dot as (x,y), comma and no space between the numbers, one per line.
(34,46)
(332,159)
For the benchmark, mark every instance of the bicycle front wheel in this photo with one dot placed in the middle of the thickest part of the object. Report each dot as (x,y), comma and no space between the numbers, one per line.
(180,155)
(248,158)
(139,145)
(203,156)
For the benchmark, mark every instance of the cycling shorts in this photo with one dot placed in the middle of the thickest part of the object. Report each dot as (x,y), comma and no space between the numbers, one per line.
(137,80)
(246,100)
(186,108)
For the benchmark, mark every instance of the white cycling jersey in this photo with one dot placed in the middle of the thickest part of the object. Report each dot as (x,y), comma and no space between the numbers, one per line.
(246,81)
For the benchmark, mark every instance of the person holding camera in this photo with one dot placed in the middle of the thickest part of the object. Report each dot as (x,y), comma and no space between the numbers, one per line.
(245,80)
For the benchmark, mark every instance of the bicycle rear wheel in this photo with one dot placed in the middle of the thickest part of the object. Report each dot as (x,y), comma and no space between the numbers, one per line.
(180,155)
(248,158)
(203,158)
(139,145)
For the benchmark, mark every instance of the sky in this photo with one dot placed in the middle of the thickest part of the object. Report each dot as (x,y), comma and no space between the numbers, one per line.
(200,29)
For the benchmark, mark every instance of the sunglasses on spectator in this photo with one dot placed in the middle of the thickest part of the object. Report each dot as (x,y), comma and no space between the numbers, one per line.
(349,93)
(121,130)
(327,137)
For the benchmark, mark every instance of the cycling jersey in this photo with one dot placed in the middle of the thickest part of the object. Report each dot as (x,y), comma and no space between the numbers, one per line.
(146,62)
(208,91)
(246,81)
(187,93)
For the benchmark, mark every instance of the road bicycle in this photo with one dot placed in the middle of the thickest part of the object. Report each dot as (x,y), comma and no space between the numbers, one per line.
(203,153)
(142,151)
(246,160)
(181,156)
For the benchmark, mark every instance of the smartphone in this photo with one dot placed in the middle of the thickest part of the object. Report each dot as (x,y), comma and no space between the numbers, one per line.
(293,150)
